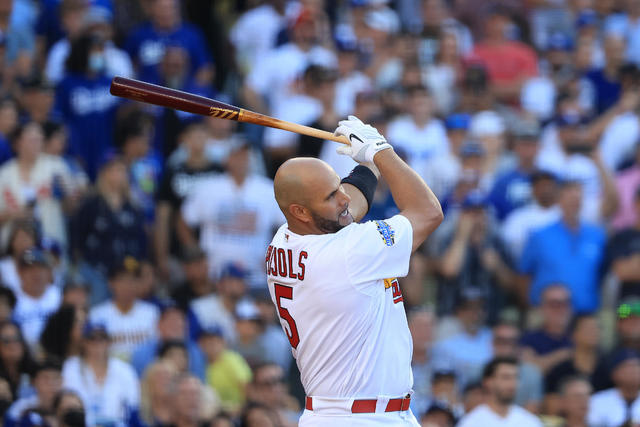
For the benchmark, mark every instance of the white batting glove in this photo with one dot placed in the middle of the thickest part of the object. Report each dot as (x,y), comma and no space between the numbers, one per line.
(365,140)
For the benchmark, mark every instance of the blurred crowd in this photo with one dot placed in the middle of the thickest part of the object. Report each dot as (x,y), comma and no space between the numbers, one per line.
(133,237)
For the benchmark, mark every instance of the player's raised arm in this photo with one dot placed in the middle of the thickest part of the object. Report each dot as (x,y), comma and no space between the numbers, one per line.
(413,197)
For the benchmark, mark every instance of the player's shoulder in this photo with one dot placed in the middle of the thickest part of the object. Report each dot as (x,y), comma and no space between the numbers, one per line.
(387,228)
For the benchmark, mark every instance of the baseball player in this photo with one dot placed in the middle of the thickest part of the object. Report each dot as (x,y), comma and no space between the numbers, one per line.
(334,281)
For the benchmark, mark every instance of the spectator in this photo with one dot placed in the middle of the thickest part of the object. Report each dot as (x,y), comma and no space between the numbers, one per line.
(621,404)
(129,321)
(445,391)
(19,46)
(542,211)
(34,184)
(351,80)
(8,123)
(23,235)
(68,409)
(627,184)
(443,171)
(512,189)
(506,339)
(438,415)
(268,388)
(248,337)
(108,387)
(197,283)
(509,63)
(75,293)
(174,352)
(468,350)
(489,129)
(62,334)
(575,392)
(98,21)
(147,44)
(37,298)
(179,181)
(218,309)
(473,396)
(418,133)
(172,325)
(623,255)
(7,304)
(188,402)
(16,363)
(36,101)
(471,256)
(227,372)
(106,227)
(156,398)
(85,104)
(234,229)
(500,378)
(55,144)
(421,324)
(585,359)
(551,344)
(258,415)
(549,254)
(274,73)
(605,81)
(441,76)
(46,381)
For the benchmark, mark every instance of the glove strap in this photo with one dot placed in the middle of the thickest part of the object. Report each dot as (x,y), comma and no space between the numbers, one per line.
(364,180)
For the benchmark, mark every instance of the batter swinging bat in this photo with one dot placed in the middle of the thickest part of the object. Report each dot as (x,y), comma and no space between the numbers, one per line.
(183,101)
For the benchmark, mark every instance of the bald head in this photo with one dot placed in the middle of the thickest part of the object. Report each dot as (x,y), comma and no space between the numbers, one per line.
(300,179)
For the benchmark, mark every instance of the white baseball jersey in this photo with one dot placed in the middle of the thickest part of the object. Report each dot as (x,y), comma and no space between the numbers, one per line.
(341,307)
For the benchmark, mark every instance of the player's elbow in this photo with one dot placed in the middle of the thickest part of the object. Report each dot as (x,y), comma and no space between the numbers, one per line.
(429,218)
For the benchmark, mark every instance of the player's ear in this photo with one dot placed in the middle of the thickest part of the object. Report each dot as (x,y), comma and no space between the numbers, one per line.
(299,212)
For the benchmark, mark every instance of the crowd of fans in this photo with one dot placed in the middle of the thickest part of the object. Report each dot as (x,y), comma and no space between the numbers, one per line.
(133,237)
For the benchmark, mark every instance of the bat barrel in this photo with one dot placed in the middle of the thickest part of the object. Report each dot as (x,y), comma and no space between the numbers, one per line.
(149,93)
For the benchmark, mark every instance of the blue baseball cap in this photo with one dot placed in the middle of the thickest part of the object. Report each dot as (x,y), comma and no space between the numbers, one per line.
(621,356)
(233,270)
(211,330)
(92,328)
(586,18)
(559,41)
(457,121)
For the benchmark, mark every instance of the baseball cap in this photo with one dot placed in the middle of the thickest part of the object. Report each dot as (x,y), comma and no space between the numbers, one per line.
(92,329)
(586,18)
(470,294)
(109,157)
(442,373)
(472,148)
(486,123)
(474,199)
(98,14)
(527,130)
(621,356)
(457,121)
(381,20)
(128,264)
(210,330)
(346,44)
(540,174)
(233,270)
(247,310)
(629,307)
(437,406)
(570,118)
(559,41)
(33,256)
(192,253)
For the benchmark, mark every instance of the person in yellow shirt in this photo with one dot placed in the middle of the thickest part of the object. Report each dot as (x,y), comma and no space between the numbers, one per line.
(227,371)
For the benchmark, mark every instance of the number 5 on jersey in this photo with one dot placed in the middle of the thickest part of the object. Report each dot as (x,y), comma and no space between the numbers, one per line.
(286,292)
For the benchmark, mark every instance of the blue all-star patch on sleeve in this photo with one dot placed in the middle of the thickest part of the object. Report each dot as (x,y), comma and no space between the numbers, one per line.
(386,232)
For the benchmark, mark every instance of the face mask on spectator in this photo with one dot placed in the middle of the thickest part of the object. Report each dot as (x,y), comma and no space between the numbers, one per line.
(96,62)
(74,418)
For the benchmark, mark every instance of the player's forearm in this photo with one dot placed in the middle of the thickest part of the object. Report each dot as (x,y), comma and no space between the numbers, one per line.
(412,195)
(358,205)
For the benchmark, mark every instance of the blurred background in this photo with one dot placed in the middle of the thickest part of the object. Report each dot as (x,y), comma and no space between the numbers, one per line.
(133,237)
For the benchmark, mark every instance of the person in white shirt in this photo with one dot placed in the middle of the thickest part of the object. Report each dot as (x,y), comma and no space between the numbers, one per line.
(619,405)
(108,387)
(334,281)
(542,211)
(129,321)
(500,378)
(419,134)
(236,214)
(37,298)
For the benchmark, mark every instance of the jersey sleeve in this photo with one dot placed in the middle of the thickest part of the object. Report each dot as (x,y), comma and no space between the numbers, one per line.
(378,249)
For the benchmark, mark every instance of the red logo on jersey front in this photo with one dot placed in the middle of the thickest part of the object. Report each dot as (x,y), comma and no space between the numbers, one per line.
(395,289)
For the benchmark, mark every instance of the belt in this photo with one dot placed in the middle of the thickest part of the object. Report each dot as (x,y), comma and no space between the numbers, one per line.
(360,406)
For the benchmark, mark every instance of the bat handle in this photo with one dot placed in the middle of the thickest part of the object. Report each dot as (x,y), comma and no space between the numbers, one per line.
(262,120)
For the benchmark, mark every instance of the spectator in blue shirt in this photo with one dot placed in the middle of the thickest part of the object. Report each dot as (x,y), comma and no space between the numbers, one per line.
(147,44)
(85,104)
(606,81)
(512,189)
(172,325)
(568,251)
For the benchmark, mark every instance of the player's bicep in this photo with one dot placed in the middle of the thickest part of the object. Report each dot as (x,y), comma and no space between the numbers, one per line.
(417,235)
(379,249)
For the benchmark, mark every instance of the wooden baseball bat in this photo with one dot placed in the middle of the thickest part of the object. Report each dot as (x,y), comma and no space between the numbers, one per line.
(183,101)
